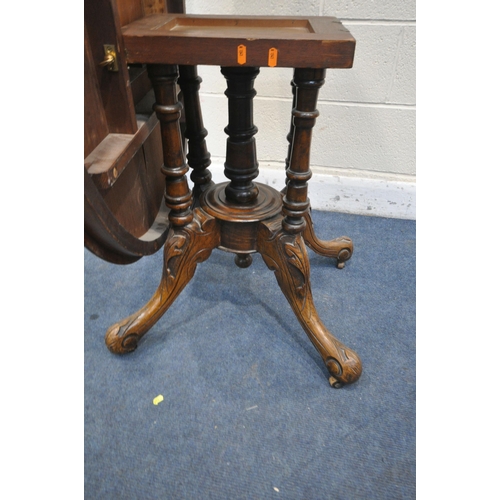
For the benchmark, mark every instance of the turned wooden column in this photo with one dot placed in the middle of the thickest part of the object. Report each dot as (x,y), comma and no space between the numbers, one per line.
(289,136)
(241,165)
(168,109)
(306,83)
(198,156)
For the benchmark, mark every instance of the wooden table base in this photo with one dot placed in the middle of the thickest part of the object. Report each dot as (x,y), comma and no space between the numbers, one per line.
(239,216)
(257,227)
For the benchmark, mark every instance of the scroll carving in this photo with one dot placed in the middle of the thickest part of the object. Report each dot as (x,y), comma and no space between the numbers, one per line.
(185,248)
(339,248)
(286,255)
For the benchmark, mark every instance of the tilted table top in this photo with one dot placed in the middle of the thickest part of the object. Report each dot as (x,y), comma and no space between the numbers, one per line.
(293,42)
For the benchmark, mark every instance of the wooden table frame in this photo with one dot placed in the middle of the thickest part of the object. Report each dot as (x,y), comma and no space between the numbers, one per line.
(240,216)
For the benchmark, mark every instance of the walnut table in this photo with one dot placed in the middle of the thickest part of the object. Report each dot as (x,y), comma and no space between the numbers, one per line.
(240,215)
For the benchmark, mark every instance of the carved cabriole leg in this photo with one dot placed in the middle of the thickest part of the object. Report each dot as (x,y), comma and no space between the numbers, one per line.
(286,255)
(193,234)
(184,249)
(198,156)
(340,248)
(281,243)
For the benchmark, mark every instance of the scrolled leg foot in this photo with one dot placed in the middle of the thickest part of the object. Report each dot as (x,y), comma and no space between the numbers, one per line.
(185,248)
(339,248)
(119,338)
(286,255)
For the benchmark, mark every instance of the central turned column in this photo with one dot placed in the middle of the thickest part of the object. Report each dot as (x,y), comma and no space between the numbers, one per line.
(241,165)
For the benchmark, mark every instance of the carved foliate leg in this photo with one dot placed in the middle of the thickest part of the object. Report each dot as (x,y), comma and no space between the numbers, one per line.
(339,248)
(185,248)
(286,255)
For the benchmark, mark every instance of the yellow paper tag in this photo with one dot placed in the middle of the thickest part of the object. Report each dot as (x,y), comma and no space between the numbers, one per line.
(272,59)
(242,54)
(158,399)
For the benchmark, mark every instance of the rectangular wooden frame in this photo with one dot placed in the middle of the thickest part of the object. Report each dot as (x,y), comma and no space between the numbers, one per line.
(299,42)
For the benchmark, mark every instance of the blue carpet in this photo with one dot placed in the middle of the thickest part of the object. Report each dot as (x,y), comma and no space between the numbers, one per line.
(248,412)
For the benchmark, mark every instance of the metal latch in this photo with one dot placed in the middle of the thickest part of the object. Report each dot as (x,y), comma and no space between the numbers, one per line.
(110,59)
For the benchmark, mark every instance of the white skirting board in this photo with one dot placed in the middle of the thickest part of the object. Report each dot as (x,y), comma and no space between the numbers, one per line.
(352,193)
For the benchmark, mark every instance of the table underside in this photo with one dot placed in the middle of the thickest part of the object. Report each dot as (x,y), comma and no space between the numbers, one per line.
(294,42)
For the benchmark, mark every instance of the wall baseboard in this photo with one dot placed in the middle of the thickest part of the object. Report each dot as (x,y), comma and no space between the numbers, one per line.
(380,196)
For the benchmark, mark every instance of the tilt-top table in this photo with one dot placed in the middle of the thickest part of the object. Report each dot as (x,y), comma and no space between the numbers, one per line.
(239,216)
